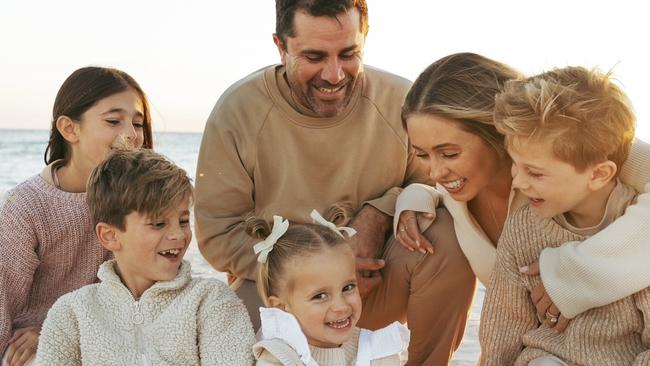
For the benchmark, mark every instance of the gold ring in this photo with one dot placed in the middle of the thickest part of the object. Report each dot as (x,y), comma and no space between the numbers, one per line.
(552,318)
(409,218)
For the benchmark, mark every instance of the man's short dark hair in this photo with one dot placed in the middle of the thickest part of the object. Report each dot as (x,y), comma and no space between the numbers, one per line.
(285,11)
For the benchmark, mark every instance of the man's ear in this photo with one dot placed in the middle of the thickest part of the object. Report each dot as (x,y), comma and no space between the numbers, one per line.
(68,128)
(281,48)
(601,174)
(275,302)
(108,236)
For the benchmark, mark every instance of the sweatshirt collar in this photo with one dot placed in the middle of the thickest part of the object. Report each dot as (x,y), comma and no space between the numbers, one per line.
(108,275)
(280,93)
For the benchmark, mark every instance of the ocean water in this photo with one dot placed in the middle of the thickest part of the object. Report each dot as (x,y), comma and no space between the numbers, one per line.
(21,156)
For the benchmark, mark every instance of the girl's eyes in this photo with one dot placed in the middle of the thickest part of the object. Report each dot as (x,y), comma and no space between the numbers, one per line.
(349,287)
(321,296)
(184,222)
(449,155)
(138,125)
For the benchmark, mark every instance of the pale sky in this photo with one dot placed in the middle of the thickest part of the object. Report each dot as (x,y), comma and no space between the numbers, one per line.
(186,53)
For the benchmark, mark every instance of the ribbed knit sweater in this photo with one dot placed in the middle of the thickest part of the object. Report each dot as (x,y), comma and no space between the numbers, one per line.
(510,332)
(185,321)
(578,275)
(48,248)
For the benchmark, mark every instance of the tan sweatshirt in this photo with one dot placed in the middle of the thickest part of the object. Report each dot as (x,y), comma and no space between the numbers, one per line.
(260,155)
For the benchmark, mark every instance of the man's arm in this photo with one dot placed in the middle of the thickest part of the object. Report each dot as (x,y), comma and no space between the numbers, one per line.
(224,196)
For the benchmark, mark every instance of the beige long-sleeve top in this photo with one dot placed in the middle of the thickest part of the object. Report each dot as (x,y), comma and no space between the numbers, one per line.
(184,321)
(578,276)
(260,155)
(510,332)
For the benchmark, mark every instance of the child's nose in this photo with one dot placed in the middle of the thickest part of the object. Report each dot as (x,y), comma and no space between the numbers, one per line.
(340,304)
(176,234)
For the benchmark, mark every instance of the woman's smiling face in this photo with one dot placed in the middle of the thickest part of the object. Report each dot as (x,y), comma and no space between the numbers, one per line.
(460,161)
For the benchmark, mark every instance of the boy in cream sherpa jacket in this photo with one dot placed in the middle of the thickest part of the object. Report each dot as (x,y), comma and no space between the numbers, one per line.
(147,310)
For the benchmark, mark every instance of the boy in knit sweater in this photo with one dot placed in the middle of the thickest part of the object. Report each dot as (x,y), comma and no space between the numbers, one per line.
(568,131)
(147,310)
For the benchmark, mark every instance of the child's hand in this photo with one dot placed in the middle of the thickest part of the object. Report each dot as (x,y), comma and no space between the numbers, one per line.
(545,308)
(22,346)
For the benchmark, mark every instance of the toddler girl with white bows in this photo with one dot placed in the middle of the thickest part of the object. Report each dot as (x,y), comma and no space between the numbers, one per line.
(307,280)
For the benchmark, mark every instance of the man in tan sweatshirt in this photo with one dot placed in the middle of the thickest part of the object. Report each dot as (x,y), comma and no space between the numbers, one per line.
(318,129)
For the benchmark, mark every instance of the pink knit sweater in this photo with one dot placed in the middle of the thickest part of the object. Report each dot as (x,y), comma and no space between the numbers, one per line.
(48,248)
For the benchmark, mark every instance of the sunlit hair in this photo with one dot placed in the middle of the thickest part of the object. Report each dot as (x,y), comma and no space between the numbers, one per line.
(83,89)
(461,87)
(586,115)
(300,240)
(135,181)
(285,11)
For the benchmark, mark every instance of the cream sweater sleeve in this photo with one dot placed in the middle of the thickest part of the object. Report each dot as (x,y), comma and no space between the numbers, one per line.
(612,264)
(419,198)
(225,331)
(59,342)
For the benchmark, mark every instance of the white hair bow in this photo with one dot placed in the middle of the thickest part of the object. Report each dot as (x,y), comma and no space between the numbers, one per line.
(337,229)
(263,248)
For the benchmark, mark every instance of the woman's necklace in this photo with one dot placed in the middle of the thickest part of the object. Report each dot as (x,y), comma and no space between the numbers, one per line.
(497,226)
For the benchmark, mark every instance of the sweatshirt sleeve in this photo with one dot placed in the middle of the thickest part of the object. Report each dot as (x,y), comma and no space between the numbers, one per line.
(416,172)
(225,331)
(59,342)
(18,261)
(507,312)
(612,264)
(224,193)
(642,300)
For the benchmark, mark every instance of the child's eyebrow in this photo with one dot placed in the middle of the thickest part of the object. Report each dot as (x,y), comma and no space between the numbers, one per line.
(121,110)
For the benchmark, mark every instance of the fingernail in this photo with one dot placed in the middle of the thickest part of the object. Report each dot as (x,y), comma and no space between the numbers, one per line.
(430,250)
(411,249)
(422,251)
(417,242)
(523,269)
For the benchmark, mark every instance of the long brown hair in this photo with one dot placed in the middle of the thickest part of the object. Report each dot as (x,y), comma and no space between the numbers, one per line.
(82,90)
(462,87)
